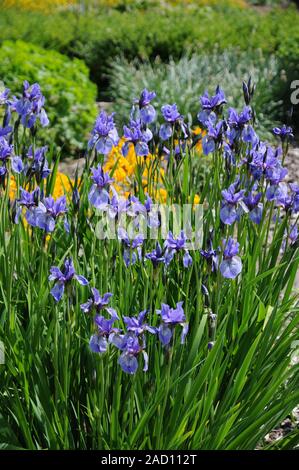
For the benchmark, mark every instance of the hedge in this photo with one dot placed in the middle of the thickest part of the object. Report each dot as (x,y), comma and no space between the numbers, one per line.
(70,95)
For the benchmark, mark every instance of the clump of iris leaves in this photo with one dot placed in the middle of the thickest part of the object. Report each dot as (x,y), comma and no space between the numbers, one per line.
(133,343)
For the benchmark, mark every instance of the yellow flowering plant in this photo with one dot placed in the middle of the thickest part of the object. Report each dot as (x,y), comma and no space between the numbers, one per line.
(47,6)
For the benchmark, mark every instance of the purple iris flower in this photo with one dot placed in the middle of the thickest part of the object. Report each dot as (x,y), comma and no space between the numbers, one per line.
(38,163)
(30,106)
(98,194)
(104,135)
(137,326)
(124,237)
(63,278)
(4,96)
(105,331)
(3,171)
(231,200)
(172,116)
(283,198)
(252,201)
(147,111)
(249,135)
(148,203)
(156,256)
(17,165)
(178,150)
(46,213)
(278,191)
(293,235)
(130,256)
(170,113)
(27,199)
(97,302)
(187,259)
(229,154)
(6,150)
(76,198)
(137,136)
(135,206)
(211,256)
(213,102)
(118,205)
(284,132)
(273,169)
(210,104)
(131,346)
(239,120)
(213,136)
(4,100)
(280,194)
(153,220)
(171,317)
(239,126)
(147,210)
(231,266)
(295,195)
(276,174)
(5,130)
(174,245)
(266,161)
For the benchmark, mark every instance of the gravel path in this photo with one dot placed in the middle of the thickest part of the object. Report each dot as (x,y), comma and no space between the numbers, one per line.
(292,164)
(69,166)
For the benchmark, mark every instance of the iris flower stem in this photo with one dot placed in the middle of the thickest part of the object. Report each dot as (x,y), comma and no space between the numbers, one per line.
(132,404)
(166,396)
(268,226)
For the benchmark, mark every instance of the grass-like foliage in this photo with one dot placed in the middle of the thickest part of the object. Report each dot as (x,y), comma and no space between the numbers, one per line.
(219,324)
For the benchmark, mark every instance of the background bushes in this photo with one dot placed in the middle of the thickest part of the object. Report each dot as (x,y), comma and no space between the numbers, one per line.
(100,38)
(184,81)
(100,32)
(69,93)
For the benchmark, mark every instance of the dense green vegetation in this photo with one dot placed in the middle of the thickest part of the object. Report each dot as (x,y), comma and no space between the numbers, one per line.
(183,81)
(98,39)
(70,96)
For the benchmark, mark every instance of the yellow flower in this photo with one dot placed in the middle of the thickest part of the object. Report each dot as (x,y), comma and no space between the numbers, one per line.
(12,188)
(161,195)
(45,6)
(198,131)
(124,167)
(196,199)
(63,185)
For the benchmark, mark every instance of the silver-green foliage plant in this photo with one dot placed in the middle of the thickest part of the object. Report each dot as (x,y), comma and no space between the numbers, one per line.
(183,81)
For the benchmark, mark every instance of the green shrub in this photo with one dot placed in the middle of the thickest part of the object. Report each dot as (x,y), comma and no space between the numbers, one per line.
(101,36)
(70,96)
(184,81)
(289,60)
